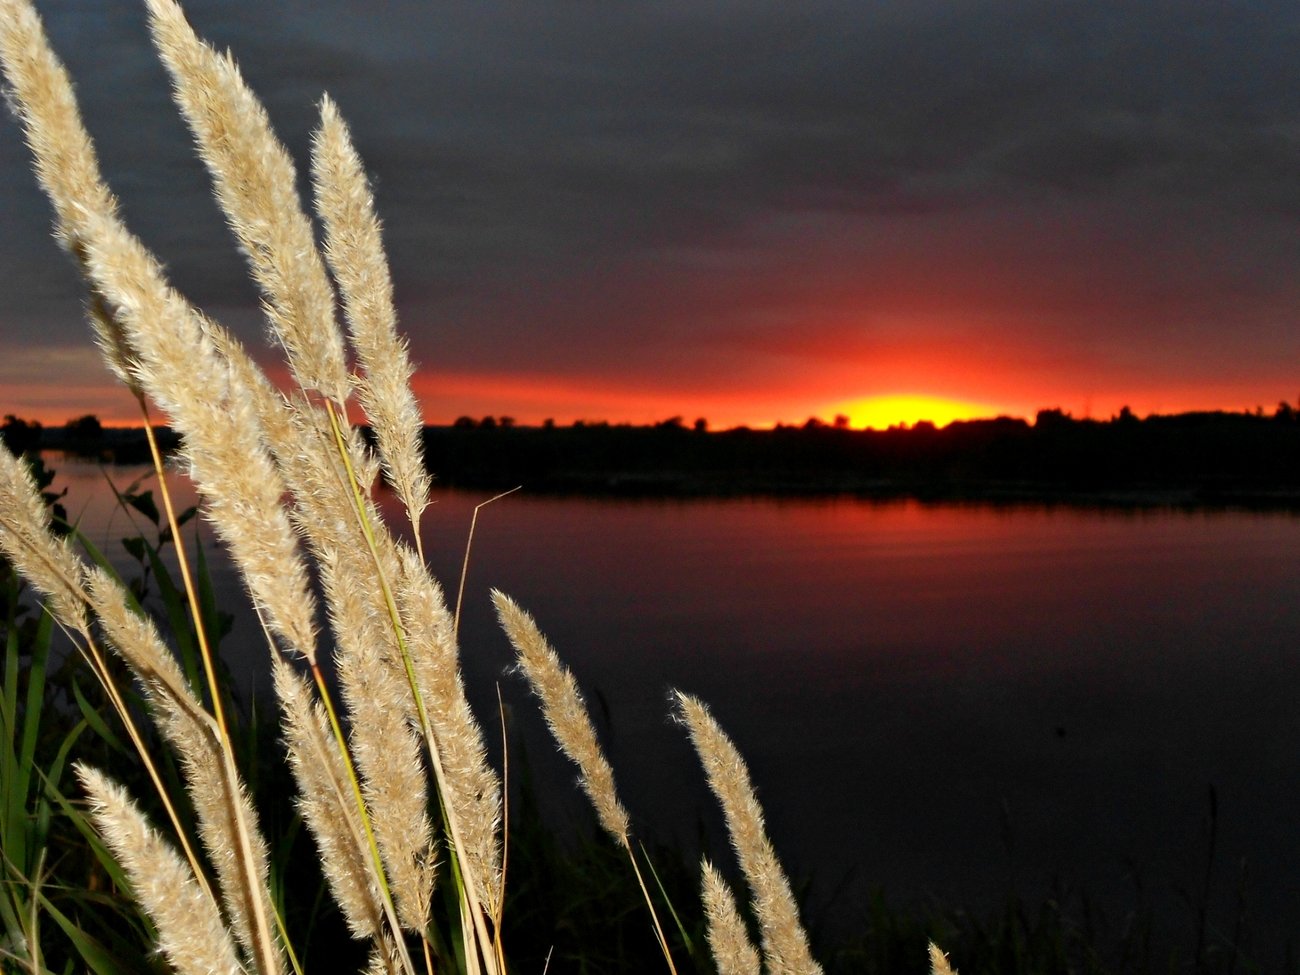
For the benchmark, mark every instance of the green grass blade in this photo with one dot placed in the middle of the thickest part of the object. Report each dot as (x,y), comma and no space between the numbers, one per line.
(96,721)
(13,832)
(35,700)
(659,884)
(97,957)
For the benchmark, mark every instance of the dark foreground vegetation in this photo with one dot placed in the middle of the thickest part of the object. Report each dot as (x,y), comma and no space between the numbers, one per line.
(573,905)
(1214,458)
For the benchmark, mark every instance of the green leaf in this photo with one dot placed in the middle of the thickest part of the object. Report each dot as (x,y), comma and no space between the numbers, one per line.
(98,958)
(136,546)
(143,503)
(97,722)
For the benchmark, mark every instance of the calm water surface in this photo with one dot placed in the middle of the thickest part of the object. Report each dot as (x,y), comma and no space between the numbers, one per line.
(936,699)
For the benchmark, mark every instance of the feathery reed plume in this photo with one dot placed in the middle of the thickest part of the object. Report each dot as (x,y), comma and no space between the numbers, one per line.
(570,723)
(384,745)
(785,944)
(255,183)
(728,940)
(170,355)
(269,465)
(384,958)
(355,252)
(939,964)
(66,164)
(65,160)
(137,641)
(212,784)
(473,787)
(324,798)
(28,544)
(566,714)
(190,932)
(385,749)
(223,446)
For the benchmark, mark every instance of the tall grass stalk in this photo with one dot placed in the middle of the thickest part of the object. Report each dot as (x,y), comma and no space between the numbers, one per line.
(288,483)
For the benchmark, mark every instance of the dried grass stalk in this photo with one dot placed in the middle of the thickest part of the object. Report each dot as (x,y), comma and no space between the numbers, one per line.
(138,642)
(164,344)
(355,252)
(190,931)
(566,714)
(785,944)
(939,964)
(384,958)
(218,795)
(255,182)
(728,940)
(325,800)
(473,787)
(28,544)
(66,163)
(385,747)
(223,445)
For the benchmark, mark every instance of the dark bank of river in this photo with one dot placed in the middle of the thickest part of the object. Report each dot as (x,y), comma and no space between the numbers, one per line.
(1212,460)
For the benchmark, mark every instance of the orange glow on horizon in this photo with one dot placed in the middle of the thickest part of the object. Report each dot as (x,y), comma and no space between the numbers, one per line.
(531,398)
(881,412)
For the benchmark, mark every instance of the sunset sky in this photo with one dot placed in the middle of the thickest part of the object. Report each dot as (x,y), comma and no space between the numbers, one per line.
(748,211)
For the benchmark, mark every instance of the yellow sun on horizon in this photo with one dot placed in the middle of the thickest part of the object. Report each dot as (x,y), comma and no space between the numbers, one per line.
(881,412)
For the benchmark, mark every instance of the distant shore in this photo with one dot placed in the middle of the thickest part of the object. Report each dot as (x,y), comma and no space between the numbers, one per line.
(1192,460)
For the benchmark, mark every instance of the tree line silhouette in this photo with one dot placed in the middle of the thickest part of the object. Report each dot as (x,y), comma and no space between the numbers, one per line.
(1195,458)
(1204,457)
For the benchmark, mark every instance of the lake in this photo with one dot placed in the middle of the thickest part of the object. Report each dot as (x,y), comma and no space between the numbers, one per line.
(936,699)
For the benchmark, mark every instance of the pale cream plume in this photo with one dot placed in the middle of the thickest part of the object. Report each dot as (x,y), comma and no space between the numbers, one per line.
(222,438)
(384,958)
(785,944)
(474,789)
(385,749)
(733,954)
(66,164)
(566,714)
(255,183)
(216,791)
(137,641)
(939,964)
(384,745)
(355,252)
(170,357)
(26,541)
(190,933)
(327,806)
(55,569)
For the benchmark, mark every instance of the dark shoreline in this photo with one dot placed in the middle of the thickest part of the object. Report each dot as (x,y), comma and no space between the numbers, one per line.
(1201,461)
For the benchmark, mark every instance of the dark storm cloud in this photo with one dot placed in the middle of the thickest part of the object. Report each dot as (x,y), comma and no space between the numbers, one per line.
(620,173)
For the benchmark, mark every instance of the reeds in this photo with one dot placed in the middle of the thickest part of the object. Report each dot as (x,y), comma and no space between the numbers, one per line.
(396,789)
